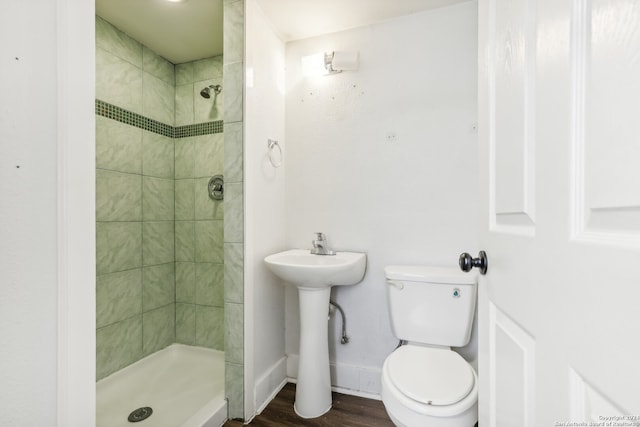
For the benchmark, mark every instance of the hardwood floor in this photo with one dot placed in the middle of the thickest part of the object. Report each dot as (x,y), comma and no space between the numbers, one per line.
(347,411)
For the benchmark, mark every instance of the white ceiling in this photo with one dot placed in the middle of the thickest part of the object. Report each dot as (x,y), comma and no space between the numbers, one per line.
(301,19)
(183,32)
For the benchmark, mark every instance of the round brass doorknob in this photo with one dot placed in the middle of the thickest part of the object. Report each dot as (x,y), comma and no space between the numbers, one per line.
(467,262)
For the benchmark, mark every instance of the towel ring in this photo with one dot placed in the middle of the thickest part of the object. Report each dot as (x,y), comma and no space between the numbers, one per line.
(276,161)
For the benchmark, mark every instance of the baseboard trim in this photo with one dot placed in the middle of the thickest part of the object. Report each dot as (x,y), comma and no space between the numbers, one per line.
(346,379)
(270,384)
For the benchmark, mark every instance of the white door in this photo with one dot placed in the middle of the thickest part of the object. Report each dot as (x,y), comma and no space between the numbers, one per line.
(559,127)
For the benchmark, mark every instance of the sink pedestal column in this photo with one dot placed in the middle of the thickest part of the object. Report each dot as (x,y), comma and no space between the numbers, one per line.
(313,390)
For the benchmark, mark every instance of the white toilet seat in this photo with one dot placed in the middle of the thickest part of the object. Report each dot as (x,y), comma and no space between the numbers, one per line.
(432,376)
(395,388)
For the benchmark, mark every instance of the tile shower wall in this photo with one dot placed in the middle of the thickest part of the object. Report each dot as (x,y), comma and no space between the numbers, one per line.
(131,76)
(234,209)
(159,237)
(135,303)
(199,219)
(191,78)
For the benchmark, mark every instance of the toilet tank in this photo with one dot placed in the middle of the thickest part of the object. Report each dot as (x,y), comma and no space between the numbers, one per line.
(431,305)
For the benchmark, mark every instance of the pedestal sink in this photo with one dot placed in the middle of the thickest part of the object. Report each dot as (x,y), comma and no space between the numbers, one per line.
(314,275)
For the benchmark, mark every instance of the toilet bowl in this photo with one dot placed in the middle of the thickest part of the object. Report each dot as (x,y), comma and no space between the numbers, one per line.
(424,382)
(441,377)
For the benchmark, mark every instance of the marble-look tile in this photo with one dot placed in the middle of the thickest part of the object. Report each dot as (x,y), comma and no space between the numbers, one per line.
(234,272)
(234,332)
(233,214)
(158,286)
(118,246)
(186,282)
(233,152)
(157,155)
(209,155)
(210,327)
(157,242)
(218,65)
(118,82)
(208,68)
(233,85)
(157,199)
(118,345)
(202,72)
(233,44)
(184,199)
(209,284)
(157,66)
(118,43)
(118,296)
(118,146)
(205,206)
(184,73)
(158,99)
(118,196)
(209,241)
(185,158)
(233,253)
(208,109)
(234,389)
(186,323)
(185,241)
(184,104)
(158,329)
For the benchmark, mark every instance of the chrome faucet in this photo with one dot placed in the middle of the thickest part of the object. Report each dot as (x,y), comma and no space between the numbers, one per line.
(320,246)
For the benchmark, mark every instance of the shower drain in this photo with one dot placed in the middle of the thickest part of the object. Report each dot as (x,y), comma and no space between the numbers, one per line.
(140,414)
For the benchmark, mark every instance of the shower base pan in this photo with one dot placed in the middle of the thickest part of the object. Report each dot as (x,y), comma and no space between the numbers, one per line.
(183,386)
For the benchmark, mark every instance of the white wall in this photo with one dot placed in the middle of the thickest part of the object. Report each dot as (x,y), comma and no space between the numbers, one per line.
(28,215)
(47,249)
(264,205)
(383,160)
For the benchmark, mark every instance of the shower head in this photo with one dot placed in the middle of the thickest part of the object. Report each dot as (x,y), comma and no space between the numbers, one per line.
(206,92)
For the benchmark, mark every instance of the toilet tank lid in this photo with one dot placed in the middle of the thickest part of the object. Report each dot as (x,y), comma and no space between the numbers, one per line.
(423,273)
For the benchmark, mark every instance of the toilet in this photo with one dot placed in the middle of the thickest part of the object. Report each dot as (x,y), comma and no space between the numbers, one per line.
(424,382)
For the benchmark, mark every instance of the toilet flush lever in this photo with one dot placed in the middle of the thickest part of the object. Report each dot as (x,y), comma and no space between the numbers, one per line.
(395,283)
(467,262)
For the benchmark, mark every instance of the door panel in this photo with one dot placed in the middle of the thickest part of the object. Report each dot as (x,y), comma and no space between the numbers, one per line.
(588,405)
(512,383)
(606,67)
(511,102)
(559,139)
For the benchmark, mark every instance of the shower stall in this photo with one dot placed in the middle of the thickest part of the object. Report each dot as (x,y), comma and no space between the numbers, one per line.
(169,265)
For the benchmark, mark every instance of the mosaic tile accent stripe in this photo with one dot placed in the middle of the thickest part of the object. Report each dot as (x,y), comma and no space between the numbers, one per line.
(120,114)
(134,119)
(198,129)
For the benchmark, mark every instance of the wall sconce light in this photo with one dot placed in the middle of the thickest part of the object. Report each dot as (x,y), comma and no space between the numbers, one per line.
(337,62)
(324,64)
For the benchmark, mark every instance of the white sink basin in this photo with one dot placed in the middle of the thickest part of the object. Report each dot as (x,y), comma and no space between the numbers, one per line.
(301,268)
(314,275)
